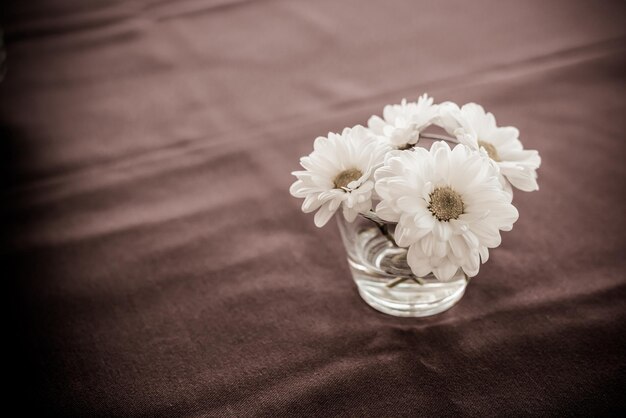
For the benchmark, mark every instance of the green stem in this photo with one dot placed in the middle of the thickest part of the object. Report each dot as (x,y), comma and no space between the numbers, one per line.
(399,280)
(382,225)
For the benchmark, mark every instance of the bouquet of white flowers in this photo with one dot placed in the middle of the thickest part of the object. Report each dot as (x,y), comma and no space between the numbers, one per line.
(444,206)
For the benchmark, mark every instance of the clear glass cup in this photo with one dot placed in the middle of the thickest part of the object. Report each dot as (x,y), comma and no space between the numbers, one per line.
(383,277)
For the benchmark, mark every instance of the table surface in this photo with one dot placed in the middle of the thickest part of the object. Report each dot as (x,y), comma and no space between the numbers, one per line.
(159,266)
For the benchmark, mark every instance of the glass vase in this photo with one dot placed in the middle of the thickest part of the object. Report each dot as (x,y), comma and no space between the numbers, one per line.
(383,277)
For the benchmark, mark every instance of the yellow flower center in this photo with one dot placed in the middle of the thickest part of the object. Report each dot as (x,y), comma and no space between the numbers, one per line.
(445,204)
(491,150)
(346,177)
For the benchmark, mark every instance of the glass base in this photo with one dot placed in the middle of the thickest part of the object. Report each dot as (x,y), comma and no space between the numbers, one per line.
(385,280)
(407,298)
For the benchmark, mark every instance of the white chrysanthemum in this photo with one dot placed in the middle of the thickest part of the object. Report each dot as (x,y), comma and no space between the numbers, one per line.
(402,123)
(476,128)
(339,172)
(449,205)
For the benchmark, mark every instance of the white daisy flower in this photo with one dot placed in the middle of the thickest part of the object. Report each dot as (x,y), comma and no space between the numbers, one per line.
(476,128)
(402,123)
(449,206)
(339,172)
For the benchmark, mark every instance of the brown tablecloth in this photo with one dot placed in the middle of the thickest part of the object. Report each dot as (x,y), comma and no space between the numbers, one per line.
(159,267)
